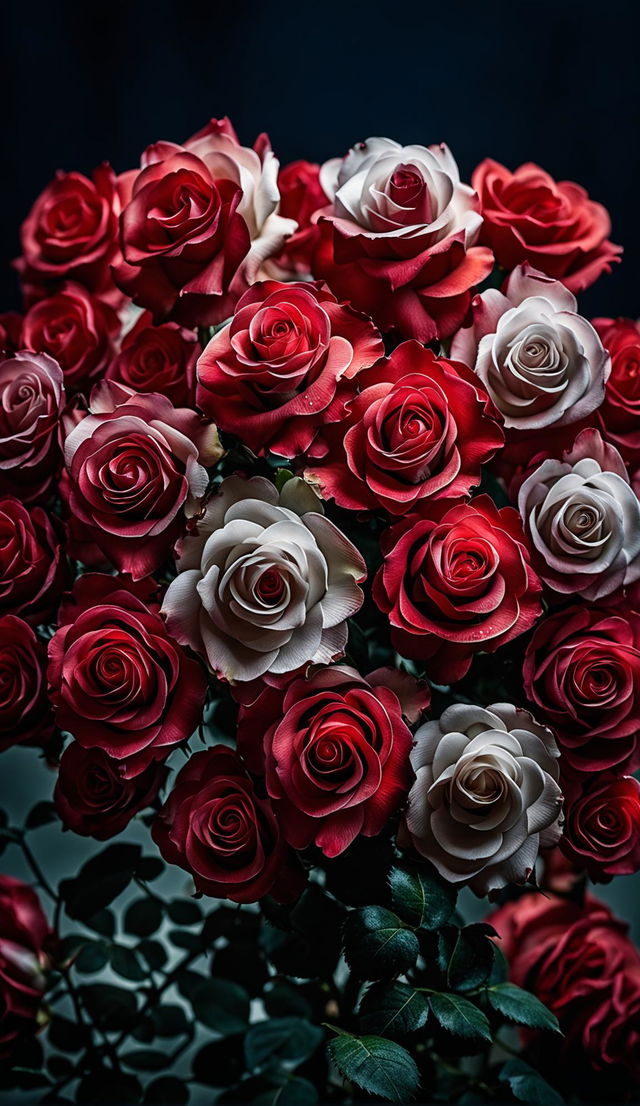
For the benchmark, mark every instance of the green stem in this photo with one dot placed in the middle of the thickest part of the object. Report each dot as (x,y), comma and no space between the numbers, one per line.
(37,871)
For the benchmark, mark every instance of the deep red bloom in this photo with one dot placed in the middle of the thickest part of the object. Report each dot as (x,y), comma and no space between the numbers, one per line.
(301,196)
(602,828)
(94,797)
(25,714)
(75,328)
(26,943)
(158,359)
(33,569)
(619,415)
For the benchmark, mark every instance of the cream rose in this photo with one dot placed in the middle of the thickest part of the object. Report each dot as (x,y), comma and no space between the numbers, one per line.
(486,795)
(541,362)
(266,584)
(583,518)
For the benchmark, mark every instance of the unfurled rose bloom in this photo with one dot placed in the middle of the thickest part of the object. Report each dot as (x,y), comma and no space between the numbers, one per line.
(135,472)
(582,671)
(26,945)
(602,830)
(301,196)
(528,216)
(486,795)
(399,238)
(202,219)
(285,366)
(33,569)
(76,329)
(10,330)
(579,961)
(158,359)
(583,518)
(216,827)
(420,429)
(455,582)
(542,364)
(31,401)
(118,681)
(335,753)
(25,714)
(267,582)
(93,796)
(620,412)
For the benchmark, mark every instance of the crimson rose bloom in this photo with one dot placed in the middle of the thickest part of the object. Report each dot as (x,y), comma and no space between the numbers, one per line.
(158,359)
(301,196)
(202,219)
(456,582)
(420,428)
(602,829)
(579,961)
(93,796)
(335,755)
(620,413)
(216,827)
(25,714)
(33,569)
(528,216)
(118,681)
(78,330)
(284,366)
(31,402)
(71,233)
(399,238)
(134,473)
(26,943)
(582,670)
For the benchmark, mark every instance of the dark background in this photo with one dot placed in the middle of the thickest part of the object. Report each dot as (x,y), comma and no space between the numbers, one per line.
(552,82)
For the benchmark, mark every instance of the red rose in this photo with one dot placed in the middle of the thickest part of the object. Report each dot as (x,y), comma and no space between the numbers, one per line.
(216,827)
(528,216)
(31,401)
(582,670)
(335,752)
(158,359)
(76,329)
(399,239)
(301,196)
(202,219)
(135,471)
(71,233)
(26,942)
(619,415)
(33,569)
(420,428)
(25,714)
(579,961)
(118,681)
(10,330)
(93,796)
(602,828)
(284,366)
(456,582)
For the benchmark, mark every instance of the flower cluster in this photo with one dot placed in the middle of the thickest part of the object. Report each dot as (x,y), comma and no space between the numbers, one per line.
(303,447)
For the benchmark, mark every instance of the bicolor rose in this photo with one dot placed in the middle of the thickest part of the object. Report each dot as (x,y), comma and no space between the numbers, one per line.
(486,796)
(399,238)
(583,518)
(32,397)
(216,826)
(285,366)
(93,796)
(455,582)
(420,428)
(334,749)
(542,364)
(301,196)
(554,225)
(266,584)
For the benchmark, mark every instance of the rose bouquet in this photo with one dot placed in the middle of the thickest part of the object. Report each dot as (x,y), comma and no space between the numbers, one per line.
(320,600)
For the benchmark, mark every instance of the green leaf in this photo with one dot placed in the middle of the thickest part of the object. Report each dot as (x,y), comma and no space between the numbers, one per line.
(521,1007)
(466,956)
(392,1009)
(154,953)
(143,917)
(220,1063)
(293,1091)
(125,963)
(184,912)
(110,1007)
(146,1059)
(102,922)
(221,1004)
(41,814)
(168,1090)
(377,944)
(280,1040)
(92,956)
(170,1020)
(100,880)
(420,898)
(527,1085)
(283,476)
(459,1016)
(380,1067)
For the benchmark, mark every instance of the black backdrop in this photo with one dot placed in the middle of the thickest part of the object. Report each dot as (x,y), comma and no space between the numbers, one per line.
(553,82)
